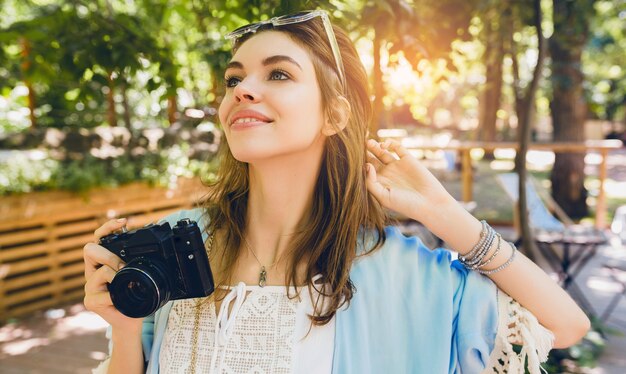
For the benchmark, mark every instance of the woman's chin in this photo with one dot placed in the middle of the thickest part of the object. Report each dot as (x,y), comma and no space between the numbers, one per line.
(249,156)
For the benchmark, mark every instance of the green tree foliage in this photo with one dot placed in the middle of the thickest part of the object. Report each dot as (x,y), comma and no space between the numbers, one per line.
(77,55)
(82,55)
(604,61)
(417,30)
(91,62)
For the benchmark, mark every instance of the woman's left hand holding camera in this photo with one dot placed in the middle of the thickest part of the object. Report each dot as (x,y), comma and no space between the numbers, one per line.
(101,265)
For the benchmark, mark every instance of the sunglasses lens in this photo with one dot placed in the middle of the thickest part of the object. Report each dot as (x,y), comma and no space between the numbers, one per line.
(241,31)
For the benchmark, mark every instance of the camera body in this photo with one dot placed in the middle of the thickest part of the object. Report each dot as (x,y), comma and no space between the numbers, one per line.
(162,264)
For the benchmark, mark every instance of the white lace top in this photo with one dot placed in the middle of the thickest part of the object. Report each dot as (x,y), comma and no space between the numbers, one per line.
(264,332)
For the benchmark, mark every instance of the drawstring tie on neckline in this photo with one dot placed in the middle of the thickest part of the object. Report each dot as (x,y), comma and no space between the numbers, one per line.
(225,323)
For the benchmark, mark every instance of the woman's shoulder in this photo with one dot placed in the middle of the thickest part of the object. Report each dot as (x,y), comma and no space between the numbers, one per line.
(400,251)
(398,244)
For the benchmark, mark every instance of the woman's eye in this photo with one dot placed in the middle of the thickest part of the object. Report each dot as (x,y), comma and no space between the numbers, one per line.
(231,81)
(278,75)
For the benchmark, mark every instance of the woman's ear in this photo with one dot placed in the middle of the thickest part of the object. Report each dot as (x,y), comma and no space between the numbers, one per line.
(337,116)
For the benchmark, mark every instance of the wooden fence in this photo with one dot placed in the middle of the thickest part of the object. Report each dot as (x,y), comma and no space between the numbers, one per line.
(464,149)
(42,237)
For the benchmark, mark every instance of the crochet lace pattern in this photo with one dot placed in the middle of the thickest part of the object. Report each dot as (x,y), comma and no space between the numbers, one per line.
(517,325)
(258,337)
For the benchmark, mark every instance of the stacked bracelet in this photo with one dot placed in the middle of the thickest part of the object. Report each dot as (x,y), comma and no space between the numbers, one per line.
(495,253)
(507,263)
(473,260)
(483,233)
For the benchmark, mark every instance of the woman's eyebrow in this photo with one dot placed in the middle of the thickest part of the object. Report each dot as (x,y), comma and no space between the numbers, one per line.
(280,58)
(267,61)
(234,65)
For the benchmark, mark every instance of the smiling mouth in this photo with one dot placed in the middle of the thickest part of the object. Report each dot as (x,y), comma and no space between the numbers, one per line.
(247,120)
(244,123)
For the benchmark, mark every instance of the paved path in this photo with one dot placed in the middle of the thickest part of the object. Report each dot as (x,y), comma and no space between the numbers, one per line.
(66,340)
(598,285)
(71,340)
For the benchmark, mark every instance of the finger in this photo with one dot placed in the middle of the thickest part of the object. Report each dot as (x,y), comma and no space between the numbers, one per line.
(382,154)
(396,147)
(374,186)
(373,160)
(97,300)
(109,227)
(385,144)
(99,279)
(96,255)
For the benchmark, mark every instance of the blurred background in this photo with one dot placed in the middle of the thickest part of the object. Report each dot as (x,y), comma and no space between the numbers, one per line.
(108,108)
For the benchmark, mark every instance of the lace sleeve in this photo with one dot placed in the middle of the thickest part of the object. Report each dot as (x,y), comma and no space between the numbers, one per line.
(517,325)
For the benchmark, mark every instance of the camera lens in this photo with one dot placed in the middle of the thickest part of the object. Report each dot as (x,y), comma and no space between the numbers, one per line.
(137,291)
(140,288)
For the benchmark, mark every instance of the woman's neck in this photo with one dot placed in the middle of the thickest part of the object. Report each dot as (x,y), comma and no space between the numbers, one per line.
(281,193)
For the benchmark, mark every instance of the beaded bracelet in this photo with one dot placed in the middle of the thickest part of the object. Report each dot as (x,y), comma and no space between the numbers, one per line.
(484,249)
(483,233)
(480,250)
(507,263)
(495,253)
(473,260)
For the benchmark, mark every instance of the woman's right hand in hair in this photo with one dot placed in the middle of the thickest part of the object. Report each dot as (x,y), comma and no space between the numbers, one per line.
(101,265)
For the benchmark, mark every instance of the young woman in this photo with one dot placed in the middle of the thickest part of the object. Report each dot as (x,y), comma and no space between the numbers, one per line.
(308,277)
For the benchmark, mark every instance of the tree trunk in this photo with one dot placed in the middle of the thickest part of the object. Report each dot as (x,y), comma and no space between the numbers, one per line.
(31,92)
(494,54)
(568,106)
(525,108)
(379,89)
(111,116)
(217,89)
(126,114)
(172,110)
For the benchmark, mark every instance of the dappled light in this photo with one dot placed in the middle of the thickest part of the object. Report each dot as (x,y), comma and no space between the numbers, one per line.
(109,109)
(69,332)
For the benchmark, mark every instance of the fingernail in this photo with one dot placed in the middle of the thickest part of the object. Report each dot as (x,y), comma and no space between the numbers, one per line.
(120,266)
(120,220)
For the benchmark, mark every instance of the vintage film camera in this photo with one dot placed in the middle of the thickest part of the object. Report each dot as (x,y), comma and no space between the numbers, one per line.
(162,264)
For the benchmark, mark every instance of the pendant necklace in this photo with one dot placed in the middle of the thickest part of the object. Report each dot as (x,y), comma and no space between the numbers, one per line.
(263,272)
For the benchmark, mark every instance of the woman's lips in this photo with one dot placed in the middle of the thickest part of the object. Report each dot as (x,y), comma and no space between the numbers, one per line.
(248,123)
(246,119)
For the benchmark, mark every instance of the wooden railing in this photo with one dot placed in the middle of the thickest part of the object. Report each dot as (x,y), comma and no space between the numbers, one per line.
(42,237)
(464,149)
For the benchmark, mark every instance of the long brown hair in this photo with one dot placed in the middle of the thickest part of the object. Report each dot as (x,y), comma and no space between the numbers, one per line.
(342,212)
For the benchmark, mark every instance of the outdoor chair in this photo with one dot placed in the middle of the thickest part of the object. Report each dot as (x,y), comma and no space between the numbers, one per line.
(567,247)
(617,270)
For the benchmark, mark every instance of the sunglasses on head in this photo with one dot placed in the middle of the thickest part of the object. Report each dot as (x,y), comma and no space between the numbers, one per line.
(298,18)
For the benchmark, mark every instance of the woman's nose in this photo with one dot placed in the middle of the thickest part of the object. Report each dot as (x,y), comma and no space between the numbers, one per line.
(244,92)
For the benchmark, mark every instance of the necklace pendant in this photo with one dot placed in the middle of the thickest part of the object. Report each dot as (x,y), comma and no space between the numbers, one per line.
(262,277)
